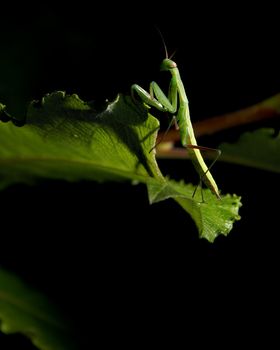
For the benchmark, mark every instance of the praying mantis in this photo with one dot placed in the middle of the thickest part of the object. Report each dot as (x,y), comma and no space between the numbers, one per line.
(156,98)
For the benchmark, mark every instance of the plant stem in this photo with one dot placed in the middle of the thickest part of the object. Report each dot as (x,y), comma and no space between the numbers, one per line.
(267,109)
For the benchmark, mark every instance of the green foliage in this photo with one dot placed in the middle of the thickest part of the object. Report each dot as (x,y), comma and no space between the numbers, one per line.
(212,218)
(258,149)
(25,311)
(67,138)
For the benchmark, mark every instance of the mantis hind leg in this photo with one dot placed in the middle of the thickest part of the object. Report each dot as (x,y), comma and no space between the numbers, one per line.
(202,176)
(201,190)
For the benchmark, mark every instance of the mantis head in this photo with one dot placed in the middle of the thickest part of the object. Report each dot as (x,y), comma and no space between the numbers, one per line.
(167,64)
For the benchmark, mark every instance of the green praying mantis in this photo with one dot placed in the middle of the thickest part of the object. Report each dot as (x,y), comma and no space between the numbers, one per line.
(156,98)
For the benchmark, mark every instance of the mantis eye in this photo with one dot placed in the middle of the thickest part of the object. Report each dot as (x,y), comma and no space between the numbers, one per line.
(168,64)
(172,64)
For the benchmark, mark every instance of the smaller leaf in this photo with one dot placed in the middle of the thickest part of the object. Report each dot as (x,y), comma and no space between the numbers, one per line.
(258,149)
(25,311)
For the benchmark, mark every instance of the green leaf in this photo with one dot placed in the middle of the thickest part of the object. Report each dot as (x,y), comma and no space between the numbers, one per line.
(258,149)
(212,217)
(28,312)
(67,138)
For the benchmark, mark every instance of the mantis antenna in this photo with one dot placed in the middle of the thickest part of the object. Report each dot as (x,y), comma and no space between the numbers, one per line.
(163,42)
(164,45)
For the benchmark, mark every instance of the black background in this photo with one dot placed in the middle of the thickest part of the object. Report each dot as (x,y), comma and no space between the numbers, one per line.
(122,270)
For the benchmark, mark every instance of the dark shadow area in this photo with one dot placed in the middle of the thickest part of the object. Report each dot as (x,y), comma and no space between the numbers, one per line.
(15,341)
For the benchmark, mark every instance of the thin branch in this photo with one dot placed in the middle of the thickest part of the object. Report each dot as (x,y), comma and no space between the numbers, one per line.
(267,109)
